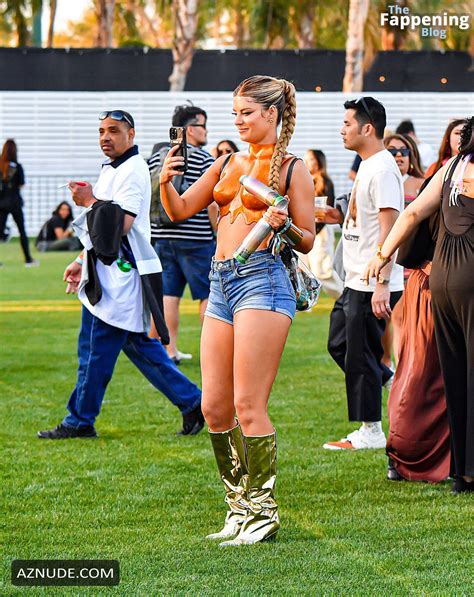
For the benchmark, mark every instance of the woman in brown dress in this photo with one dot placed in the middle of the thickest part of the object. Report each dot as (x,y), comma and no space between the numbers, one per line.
(418,442)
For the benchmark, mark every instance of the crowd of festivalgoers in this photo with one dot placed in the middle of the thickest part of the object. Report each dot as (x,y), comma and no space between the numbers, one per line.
(404,323)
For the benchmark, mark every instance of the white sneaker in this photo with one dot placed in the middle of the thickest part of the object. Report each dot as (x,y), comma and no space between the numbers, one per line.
(34,263)
(183,356)
(361,439)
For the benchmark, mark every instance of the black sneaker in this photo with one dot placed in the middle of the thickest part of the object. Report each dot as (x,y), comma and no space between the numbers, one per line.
(193,422)
(64,432)
(392,473)
(462,486)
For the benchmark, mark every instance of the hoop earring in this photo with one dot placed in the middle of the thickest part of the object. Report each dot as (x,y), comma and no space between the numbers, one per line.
(271,121)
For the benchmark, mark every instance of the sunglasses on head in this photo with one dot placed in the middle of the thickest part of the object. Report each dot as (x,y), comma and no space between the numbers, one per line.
(363,103)
(117,115)
(403,151)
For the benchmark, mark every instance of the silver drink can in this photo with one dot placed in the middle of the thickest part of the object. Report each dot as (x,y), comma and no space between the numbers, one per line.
(253,240)
(262,228)
(260,190)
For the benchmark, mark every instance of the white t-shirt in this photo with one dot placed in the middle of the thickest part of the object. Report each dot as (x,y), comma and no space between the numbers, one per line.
(126,181)
(427,154)
(378,185)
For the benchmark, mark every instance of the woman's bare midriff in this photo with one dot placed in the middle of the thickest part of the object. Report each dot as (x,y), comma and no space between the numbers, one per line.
(230,236)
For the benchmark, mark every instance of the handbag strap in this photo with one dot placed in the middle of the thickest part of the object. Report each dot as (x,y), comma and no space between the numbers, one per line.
(289,173)
(452,168)
(224,163)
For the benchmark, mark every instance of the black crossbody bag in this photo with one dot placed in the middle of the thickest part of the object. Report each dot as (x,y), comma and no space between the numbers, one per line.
(420,246)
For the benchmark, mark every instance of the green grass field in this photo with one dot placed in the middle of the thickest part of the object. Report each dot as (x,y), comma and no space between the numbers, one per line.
(146,497)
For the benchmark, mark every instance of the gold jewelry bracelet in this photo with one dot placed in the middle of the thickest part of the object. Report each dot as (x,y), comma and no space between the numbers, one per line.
(382,257)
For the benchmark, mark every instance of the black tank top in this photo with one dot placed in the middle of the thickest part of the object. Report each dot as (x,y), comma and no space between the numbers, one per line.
(453,262)
(458,219)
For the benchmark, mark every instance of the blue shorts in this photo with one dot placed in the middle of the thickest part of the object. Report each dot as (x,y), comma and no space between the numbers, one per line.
(185,262)
(262,283)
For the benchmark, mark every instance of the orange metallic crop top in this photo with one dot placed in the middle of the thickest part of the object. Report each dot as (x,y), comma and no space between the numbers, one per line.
(230,195)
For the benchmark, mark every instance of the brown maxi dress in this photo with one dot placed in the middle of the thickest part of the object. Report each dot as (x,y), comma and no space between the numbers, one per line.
(418,442)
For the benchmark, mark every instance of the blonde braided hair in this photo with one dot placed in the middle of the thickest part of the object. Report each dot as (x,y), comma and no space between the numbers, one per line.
(280,93)
(287,129)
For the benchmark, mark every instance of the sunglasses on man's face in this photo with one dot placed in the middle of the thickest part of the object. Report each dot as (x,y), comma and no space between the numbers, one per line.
(403,151)
(203,126)
(117,115)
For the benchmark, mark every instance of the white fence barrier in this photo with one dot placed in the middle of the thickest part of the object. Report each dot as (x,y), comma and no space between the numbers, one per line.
(56,132)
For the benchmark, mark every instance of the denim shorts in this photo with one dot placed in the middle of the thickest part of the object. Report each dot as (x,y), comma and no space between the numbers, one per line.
(185,262)
(262,283)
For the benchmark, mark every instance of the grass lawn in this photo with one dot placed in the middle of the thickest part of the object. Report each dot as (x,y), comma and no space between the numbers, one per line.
(146,497)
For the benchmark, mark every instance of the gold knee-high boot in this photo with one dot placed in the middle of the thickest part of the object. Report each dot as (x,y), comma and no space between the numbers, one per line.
(229,449)
(262,521)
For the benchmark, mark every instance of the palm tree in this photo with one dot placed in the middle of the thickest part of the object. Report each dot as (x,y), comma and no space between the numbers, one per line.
(104,10)
(231,15)
(269,24)
(126,24)
(185,14)
(52,17)
(143,22)
(304,18)
(354,73)
(15,11)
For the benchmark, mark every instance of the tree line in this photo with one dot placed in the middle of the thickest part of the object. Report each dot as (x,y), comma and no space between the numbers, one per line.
(184,25)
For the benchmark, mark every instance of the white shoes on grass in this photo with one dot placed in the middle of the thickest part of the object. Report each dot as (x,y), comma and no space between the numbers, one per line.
(364,438)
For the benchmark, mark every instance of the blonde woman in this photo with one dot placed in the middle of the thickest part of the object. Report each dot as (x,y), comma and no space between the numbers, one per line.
(250,306)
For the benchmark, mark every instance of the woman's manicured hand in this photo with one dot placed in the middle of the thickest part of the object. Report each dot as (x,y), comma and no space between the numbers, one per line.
(169,169)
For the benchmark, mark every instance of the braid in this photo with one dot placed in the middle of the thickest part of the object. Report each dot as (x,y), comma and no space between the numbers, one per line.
(287,129)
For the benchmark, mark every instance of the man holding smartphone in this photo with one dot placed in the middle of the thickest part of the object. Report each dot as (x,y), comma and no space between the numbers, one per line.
(115,297)
(185,249)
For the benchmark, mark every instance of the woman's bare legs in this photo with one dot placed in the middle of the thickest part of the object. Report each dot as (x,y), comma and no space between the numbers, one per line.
(217,355)
(239,364)
(259,339)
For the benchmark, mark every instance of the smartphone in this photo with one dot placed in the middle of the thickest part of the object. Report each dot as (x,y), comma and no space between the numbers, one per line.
(178,137)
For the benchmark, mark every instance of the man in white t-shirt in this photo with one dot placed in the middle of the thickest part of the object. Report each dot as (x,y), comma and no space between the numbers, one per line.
(359,315)
(114,315)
